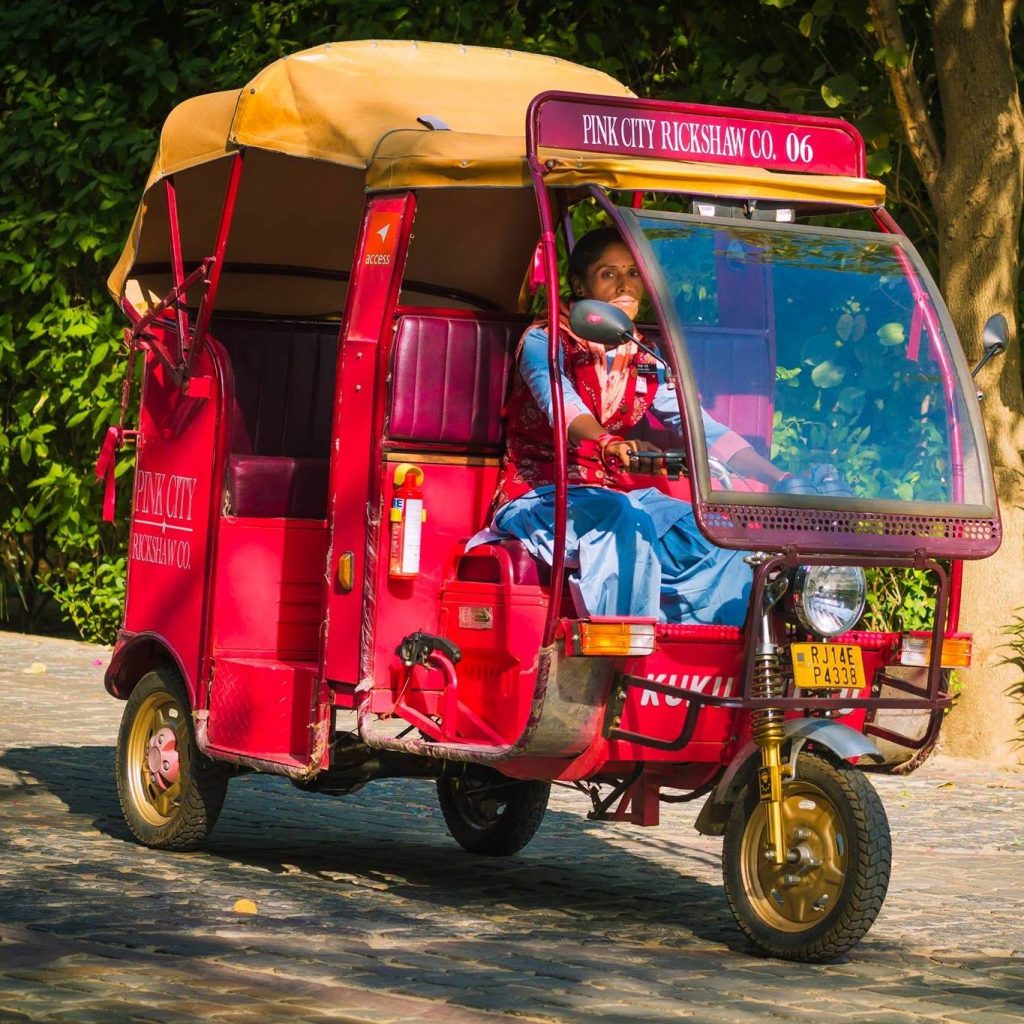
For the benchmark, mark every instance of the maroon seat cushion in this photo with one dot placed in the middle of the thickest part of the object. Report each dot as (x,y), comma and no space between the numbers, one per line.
(276,486)
(486,563)
(449,378)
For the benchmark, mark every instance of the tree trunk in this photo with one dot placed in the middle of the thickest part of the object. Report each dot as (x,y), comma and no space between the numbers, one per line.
(978,196)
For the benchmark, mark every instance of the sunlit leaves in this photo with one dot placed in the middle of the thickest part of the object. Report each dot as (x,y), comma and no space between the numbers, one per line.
(839,89)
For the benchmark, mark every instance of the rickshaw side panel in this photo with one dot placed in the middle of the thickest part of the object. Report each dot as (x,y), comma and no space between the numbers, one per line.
(496,628)
(269,588)
(174,507)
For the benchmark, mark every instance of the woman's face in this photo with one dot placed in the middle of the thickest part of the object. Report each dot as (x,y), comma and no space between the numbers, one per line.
(613,277)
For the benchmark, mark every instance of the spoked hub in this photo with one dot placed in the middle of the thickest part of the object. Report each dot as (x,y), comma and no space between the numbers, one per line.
(797,894)
(156,769)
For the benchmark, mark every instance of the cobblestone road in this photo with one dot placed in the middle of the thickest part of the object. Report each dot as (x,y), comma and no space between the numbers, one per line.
(368,912)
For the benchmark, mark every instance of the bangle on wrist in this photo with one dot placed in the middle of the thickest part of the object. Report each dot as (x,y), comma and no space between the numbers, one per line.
(604,442)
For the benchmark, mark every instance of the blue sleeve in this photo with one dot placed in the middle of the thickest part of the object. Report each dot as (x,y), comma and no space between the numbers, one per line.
(666,407)
(533,368)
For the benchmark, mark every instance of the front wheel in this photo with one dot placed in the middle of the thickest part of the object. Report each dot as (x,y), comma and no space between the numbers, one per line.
(822,901)
(170,793)
(490,814)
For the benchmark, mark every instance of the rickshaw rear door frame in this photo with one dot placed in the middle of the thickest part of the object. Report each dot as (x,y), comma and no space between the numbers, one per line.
(359,411)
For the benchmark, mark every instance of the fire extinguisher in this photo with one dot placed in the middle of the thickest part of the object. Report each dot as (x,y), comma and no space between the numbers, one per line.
(407,516)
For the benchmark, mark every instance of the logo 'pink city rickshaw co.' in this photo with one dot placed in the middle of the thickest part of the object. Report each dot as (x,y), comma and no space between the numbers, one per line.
(651,131)
(164,503)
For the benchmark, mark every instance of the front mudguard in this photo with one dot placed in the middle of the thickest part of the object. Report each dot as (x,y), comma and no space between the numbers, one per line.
(841,740)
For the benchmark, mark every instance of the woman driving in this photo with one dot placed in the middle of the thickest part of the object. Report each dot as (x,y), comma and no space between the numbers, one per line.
(634,552)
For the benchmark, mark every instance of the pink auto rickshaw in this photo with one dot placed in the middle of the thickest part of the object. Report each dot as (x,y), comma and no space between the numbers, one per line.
(326,282)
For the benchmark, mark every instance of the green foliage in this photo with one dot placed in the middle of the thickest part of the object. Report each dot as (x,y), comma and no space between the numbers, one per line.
(91,596)
(1015,657)
(899,600)
(84,88)
(74,144)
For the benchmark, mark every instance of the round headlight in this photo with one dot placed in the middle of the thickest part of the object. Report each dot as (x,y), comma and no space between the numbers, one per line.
(829,599)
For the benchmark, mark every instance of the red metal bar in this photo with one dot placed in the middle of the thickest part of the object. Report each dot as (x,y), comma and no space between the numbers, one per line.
(177,267)
(550,250)
(956,582)
(217,265)
(661,316)
(130,311)
(141,322)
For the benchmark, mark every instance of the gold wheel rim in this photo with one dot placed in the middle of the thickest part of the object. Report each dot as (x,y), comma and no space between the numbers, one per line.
(796,896)
(158,804)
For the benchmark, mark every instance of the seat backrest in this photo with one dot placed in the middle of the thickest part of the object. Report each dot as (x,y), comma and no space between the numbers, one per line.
(450,377)
(284,385)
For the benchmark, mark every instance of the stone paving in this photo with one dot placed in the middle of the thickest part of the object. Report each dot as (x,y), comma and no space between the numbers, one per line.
(366,911)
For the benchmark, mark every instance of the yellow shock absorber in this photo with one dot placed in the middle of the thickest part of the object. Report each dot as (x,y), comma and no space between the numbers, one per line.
(768,682)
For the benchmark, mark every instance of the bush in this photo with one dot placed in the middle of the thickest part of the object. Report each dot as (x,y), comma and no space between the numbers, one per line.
(1015,646)
(83,91)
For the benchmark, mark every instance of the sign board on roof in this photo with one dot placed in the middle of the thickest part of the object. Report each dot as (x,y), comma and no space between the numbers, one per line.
(679,131)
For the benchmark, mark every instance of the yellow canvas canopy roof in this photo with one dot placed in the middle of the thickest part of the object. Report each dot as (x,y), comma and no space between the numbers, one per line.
(323,126)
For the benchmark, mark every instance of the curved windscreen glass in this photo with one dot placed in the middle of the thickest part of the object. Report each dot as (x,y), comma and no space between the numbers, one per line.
(824,352)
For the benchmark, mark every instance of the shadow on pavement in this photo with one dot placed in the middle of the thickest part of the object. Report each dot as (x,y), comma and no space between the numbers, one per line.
(393,828)
(369,891)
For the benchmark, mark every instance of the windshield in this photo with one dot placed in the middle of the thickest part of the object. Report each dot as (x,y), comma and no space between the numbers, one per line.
(821,349)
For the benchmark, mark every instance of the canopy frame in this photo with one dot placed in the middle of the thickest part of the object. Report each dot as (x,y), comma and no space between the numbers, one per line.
(207,273)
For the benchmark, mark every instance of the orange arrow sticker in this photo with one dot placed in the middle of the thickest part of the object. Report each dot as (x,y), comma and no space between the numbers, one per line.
(381,239)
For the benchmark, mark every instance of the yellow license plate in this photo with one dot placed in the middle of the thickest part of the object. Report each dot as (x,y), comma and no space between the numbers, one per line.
(828,667)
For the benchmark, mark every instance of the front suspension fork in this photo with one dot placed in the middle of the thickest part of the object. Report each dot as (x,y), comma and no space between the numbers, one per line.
(769,680)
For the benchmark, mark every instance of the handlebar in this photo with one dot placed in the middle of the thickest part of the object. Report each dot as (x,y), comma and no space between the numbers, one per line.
(673,463)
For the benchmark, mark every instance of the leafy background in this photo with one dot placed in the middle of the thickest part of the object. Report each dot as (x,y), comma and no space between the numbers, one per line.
(84,89)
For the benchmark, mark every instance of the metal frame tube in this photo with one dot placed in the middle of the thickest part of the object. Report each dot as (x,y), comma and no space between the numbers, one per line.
(560,441)
(216,265)
(177,268)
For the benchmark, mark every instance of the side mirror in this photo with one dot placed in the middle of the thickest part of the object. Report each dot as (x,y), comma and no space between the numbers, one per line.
(994,338)
(601,322)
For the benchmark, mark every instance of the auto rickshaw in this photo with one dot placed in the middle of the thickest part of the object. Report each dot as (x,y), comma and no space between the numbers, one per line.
(326,282)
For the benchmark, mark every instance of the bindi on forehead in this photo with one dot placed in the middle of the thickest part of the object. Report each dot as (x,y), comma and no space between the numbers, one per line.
(614,265)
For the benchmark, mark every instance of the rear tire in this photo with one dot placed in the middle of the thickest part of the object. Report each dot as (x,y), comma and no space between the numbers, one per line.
(170,793)
(490,814)
(820,905)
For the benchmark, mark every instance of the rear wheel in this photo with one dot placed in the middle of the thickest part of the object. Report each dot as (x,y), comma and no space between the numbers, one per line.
(489,814)
(822,901)
(170,793)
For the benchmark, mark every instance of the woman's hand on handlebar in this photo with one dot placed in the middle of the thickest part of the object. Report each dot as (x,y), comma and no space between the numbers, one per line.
(618,452)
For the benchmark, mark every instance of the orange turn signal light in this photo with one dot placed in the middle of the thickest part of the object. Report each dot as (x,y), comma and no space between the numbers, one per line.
(346,571)
(915,649)
(621,639)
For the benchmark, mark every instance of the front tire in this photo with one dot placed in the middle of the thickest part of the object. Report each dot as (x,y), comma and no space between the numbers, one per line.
(490,814)
(170,793)
(824,899)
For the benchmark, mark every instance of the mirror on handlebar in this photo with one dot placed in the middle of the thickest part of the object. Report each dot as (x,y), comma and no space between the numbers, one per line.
(601,322)
(994,337)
